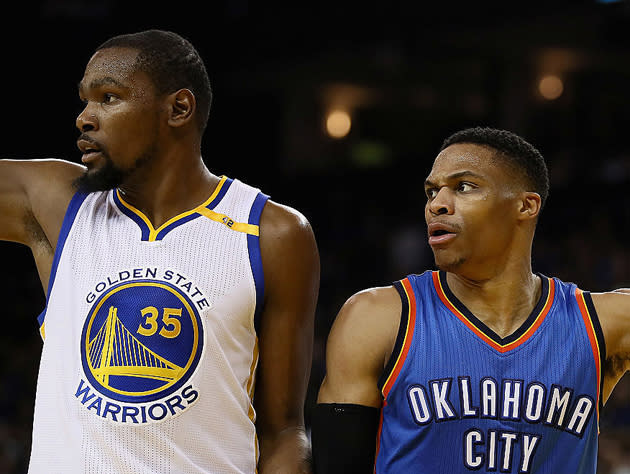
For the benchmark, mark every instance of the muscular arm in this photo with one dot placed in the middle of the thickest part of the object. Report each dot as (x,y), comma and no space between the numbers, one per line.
(359,345)
(34,195)
(291,270)
(613,309)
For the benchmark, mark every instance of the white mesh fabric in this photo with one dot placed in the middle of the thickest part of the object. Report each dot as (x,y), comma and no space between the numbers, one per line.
(213,434)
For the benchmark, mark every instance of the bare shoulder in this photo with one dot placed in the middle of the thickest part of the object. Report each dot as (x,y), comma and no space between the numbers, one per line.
(59,175)
(35,194)
(28,172)
(280,221)
(49,184)
(370,315)
(289,250)
(359,345)
(613,311)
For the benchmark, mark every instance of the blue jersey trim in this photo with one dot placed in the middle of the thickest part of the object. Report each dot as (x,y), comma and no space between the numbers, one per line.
(222,191)
(145,231)
(160,235)
(148,233)
(255,258)
(71,213)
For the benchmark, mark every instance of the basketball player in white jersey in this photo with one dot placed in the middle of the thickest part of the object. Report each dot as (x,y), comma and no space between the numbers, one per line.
(179,319)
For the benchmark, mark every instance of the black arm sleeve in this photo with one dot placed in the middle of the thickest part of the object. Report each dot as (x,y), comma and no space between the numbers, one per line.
(344,438)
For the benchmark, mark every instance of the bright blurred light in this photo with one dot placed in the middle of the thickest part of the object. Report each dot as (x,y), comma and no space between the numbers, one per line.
(551,87)
(338,123)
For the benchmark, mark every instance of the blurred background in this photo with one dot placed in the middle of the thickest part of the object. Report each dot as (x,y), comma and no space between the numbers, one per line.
(339,111)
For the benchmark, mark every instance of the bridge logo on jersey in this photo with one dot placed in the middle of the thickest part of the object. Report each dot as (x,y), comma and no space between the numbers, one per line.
(141,343)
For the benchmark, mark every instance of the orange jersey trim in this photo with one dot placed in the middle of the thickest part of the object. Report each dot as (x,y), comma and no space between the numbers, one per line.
(378,433)
(590,330)
(502,348)
(411,325)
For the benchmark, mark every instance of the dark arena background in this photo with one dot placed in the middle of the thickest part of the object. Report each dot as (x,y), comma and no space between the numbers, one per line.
(289,82)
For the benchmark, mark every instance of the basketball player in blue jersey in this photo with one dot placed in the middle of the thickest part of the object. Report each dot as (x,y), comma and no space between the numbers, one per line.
(179,319)
(482,365)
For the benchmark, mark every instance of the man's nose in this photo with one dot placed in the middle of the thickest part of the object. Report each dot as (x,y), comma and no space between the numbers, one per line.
(442,203)
(86,120)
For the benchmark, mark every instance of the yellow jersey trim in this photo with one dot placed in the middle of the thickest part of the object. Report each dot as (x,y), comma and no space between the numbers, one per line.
(250,229)
(153,232)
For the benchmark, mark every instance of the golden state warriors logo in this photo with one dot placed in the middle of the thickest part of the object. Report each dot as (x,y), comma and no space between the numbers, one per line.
(140,345)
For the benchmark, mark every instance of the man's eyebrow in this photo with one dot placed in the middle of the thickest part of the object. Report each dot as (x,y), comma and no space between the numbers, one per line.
(459,174)
(101,81)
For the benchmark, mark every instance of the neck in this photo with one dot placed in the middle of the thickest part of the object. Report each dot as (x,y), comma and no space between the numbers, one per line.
(503,300)
(169,185)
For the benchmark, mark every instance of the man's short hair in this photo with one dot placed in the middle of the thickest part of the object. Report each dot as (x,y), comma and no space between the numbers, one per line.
(516,151)
(172,63)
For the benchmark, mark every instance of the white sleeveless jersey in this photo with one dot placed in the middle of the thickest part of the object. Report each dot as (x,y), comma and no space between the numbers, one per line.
(150,346)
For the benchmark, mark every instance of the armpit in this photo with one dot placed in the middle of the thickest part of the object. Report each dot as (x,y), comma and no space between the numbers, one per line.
(37,238)
(617,364)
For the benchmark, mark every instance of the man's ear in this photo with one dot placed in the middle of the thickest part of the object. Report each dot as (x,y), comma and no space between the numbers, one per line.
(182,106)
(530,205)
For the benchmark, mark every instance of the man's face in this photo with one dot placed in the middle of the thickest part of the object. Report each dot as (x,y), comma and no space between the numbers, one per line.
(471,209)
(120,123)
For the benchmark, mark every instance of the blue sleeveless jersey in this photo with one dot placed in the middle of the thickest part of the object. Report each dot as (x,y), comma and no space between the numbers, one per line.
(458,398)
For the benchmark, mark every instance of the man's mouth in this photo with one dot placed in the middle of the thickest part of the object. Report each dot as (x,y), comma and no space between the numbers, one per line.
(90,150)
(440,234)
(89,156)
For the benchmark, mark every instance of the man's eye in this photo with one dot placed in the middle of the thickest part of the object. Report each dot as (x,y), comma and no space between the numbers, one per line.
(463,187)
(431,193)
(108,98)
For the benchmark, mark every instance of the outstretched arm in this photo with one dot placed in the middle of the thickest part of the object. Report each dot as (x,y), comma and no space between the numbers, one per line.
(291,271)
(613,310)
(359,345)
(34,195)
